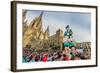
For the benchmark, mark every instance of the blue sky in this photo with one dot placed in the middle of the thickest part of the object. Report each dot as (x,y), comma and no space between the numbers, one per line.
(80,23)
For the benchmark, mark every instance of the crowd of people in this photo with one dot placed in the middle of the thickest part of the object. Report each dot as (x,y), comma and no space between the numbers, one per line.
(69,53)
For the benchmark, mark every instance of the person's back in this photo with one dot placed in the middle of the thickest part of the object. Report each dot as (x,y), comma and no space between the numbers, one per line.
(37,58)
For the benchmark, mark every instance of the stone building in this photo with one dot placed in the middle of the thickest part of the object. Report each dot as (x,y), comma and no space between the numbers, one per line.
(85,45)
(36,38)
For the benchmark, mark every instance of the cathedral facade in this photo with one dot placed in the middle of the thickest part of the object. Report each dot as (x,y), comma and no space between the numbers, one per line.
(35,37)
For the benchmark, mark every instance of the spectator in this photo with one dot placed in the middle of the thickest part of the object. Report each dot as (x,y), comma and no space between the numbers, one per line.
(66,57)
(37,58)
(44,58)
(77,58)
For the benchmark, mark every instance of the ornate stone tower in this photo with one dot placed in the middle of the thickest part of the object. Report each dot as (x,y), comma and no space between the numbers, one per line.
(46,34)
(60,35)
(33,30)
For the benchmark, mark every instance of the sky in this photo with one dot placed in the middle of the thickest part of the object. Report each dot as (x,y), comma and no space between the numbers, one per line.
(80,23)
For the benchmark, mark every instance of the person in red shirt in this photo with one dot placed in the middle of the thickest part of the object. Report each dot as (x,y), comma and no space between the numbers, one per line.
(45,58)
(66,58)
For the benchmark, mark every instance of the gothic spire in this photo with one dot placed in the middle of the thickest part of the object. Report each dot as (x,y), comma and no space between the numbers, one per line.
(47,30)
(41,14)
